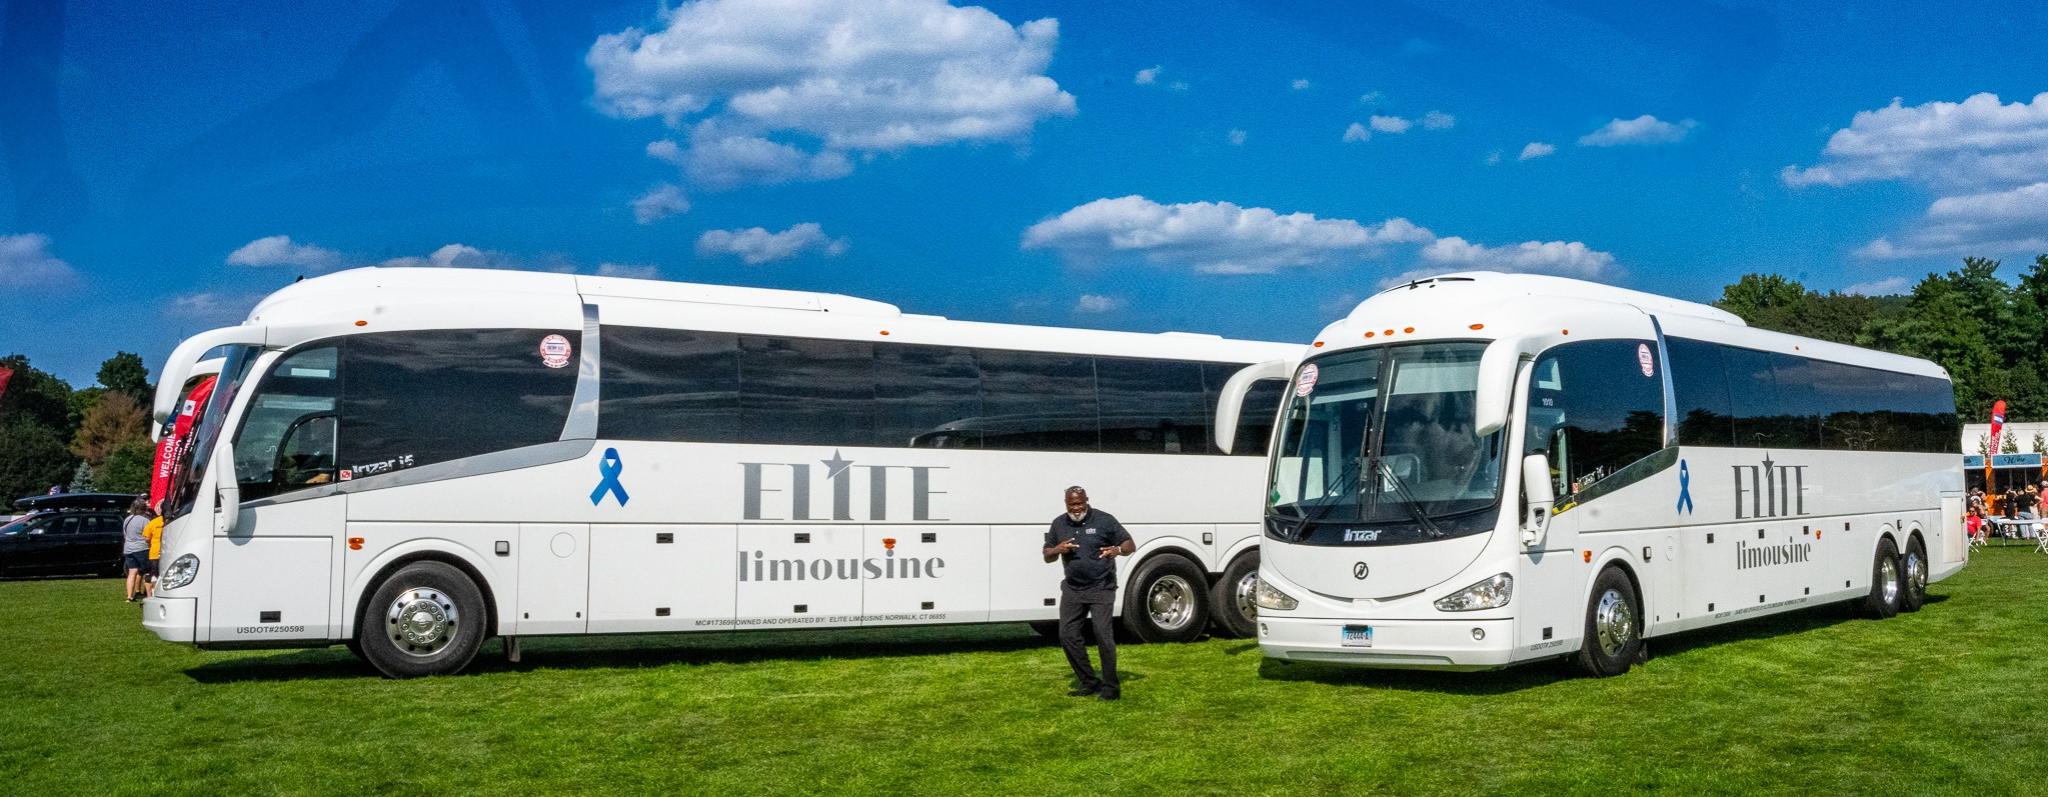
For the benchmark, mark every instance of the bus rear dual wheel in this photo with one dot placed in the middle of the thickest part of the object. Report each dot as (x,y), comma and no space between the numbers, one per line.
(426,619)
(1898,583)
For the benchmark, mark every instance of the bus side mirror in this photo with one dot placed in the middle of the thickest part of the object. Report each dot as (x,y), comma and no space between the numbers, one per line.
(1230,400)
(227,492)
(1496,383)
(1540,499)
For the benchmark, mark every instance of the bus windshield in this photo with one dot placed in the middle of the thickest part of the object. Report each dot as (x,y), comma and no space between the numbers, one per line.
(1384,436)
(190,469)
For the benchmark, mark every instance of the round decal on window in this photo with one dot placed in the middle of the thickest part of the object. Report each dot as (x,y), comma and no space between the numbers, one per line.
(1307,383)
(1644,359)
(554,351)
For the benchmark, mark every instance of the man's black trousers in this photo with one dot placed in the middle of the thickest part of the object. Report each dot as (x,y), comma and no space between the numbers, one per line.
(1094,608)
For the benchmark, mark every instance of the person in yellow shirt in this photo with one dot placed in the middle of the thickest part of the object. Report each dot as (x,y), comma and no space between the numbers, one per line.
(154,533)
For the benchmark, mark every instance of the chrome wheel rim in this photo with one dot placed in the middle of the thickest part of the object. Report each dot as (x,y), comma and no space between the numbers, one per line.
(1614,622)
(1916,571)
(1888,580)
(1244,593)
(421,622)
(1171,602)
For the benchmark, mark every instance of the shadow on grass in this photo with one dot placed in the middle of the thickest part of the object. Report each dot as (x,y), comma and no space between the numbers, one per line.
(1533,674)
(652,650)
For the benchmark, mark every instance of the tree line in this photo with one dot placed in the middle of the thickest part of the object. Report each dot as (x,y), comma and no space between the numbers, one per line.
(1991,335)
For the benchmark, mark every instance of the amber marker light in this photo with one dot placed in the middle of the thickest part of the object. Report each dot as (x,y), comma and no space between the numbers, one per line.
(1319,344)
(885,333)
(1564,332)
(362,323)
(1407,329)
(355,543)
(1589,557)
(889,543)
(1477,326)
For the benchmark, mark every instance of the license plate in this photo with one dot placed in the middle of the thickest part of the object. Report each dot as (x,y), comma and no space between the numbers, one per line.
(1358,636)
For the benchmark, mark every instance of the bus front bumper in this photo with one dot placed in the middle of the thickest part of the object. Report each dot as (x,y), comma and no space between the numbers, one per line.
(171,619)
(1406,644)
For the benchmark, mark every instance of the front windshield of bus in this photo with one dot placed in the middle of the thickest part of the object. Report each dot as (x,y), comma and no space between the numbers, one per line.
(1383,437)
(191,467)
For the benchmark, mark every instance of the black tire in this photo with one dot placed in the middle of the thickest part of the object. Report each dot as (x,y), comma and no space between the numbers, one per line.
(1178,589)
(1913,577)
(450,614)
(1885,585)
(1614,607)
(355,649)
(1230,606)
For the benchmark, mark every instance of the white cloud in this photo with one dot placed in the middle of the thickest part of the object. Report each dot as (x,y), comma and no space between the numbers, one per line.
(1645,129)
(1356,133)
(756,245)
(666,150)
(279,250)
(26,263)
(663,201)
(1092,303)
(1236,137)
(1438,120)
(1566,258)
(1300,84)
(1390,124)
(1147,77)
(1178,85)
(852,77)
(1971,145)
(720,162)
(211,308)
(628,270)
(1888,286)
(453,256)
(1989,224)
(1536,149)
(1493,158)
(1224,238)
(1212,237)
(1372,97)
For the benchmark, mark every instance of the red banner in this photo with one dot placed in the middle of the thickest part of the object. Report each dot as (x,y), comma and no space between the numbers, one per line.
(171,450)
(6,373)
(1997,424)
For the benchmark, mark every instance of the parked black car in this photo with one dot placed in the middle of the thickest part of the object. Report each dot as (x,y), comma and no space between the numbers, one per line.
(64,534)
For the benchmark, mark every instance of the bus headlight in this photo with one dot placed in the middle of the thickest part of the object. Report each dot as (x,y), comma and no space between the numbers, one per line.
(1492,593)
(181,572)
(1266,597)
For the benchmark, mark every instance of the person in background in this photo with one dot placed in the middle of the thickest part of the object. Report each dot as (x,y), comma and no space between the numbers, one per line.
(154,533)
(1973,524)
(135,549)
(2029,500)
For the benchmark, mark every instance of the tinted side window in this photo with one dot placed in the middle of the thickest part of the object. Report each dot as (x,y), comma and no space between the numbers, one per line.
(1033,401)
(415,398)
(669,384)
(802,391)
(1594,411)
(1152,406)
(926,397)
(1700,393)
(1857,415)
(1799,404)
(1760,420)
(1254,417)
(287,436)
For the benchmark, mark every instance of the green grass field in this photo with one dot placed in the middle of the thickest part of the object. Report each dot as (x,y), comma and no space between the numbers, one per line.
(1948,700)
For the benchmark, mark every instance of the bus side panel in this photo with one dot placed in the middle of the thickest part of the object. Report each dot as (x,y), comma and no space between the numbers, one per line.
(554,578)
(1022,586)
(271,589)
(799,576)
(925,574)
(656,577)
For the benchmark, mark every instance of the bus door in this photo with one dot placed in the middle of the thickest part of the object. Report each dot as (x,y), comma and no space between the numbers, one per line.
(274,568)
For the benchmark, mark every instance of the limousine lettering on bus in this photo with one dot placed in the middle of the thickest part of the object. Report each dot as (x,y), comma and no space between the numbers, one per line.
(760,480)
(759,567)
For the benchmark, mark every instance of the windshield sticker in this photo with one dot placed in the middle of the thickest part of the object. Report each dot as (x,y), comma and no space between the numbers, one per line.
(1307,383)
(554,351)
(1644,359)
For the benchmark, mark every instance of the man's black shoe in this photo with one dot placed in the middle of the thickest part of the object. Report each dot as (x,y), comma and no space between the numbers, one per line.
(1085,691)
(1108,694)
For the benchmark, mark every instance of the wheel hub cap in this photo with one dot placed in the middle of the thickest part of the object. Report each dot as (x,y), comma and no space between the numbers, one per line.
(1246,589)
(421,622)
(1614,622)
(1170,602)
(1888,574)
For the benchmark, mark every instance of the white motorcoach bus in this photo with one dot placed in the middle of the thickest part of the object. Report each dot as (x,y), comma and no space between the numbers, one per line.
(1481,469)
(410,461)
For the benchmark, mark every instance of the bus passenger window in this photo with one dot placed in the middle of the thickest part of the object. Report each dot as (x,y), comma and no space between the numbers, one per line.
(1594,408)
(287,437)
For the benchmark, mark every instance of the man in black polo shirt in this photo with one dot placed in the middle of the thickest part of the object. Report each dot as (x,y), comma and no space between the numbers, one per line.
(1088,540)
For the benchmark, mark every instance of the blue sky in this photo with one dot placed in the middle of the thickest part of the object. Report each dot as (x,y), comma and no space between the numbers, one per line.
(1248,169)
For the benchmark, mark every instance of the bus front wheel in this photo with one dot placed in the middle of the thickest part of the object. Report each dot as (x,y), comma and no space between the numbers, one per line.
(1614,626)
(1167,600)
(426,619)
(1885,584)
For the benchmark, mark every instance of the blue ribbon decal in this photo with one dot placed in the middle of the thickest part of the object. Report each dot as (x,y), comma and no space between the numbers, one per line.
(1684,489)
(610,467)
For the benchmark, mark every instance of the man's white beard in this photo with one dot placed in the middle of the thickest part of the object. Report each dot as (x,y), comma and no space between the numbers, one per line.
(1076,516)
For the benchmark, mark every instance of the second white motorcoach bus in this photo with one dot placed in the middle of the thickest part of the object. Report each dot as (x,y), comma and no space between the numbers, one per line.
(1481,469)
(410,461)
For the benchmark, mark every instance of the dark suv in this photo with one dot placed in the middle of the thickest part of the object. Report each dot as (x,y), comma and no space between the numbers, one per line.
(64,534)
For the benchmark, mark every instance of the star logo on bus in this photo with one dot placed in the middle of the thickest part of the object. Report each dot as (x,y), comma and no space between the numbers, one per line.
(836,465)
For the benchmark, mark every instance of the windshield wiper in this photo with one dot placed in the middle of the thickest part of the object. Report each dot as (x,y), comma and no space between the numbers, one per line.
(1321,511)
(1422,519)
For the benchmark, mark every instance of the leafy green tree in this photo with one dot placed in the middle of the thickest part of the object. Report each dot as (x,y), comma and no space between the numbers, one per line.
(115,421)
(32,457)
(126,469)
(35,395)
(125,372)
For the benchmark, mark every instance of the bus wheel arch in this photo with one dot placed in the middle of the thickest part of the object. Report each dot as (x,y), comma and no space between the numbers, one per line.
(386,570)
(1166,598)
(1913,573)
(1613,633)
(1230,610)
